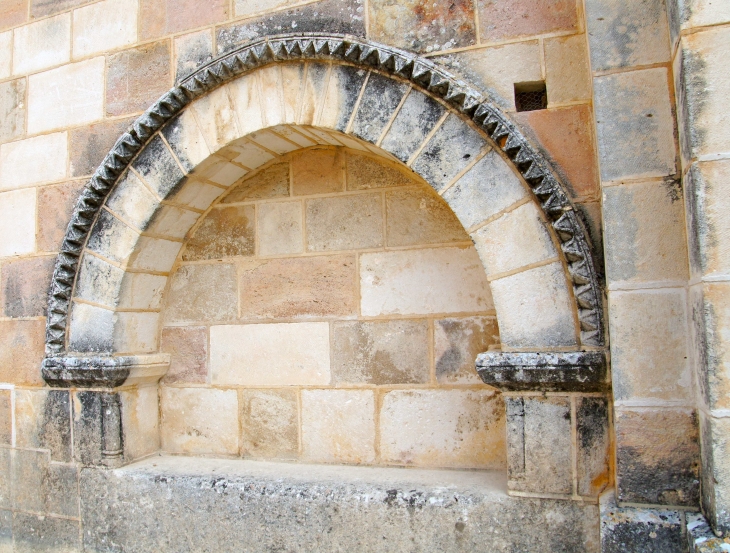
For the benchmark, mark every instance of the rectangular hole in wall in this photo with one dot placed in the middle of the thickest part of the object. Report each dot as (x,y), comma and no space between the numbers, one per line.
(530,96)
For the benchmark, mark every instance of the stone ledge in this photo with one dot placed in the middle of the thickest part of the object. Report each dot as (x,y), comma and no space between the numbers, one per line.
(104,372)
(700,537)
(573,371)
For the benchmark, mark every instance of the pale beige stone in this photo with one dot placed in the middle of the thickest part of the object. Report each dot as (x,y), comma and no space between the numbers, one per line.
(272,141)
(42,44)
(443,428)
(216,118)
(142,291)
(6,54)
(219,171)
(649,345)
(270,354)
(189,297)
(196,194)
(190,426)
(17,222)
(271,182)
(317,172)
(186,140)
(534,308)
(568,73)
(270,424)
(245,96)
(516,239)
(20,164)
(154,254)
(172,221)
(249,7)
(141,422)
(271,93)
(313,93)
(136,332)
(418,216)
(338,426)
(132,201)
(280,228)
(68,96)
(104,26)
(344,222)
(457,342)
(246,153)
(292,76)
(434,280)
(365,172)
(703,13)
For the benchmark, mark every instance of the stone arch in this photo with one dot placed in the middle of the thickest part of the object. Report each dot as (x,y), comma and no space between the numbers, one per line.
(234,112)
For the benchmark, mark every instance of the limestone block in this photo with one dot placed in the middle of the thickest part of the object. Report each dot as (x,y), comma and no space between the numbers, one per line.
(539,444)
(14,12)
(17,222)
(42,44)
(42,8)
(423,281)
(216,118)
(272,354)
(272,182)
(6,54)
(154,254)
(20,164)
(568,71)
(192,51)
(593,441)
(41,486)
(247,154)
(700,13)
(343,90)
(158,168)
(188,349)
(88,145)
(497,69)
(24,286)
(317,172)
(172,221)
(363,173)
(289,131)
(565,137)
(338,426)
(12,107)
(135,332)
(272,141)
(6,417)
(226,232)
(448,152)
(534,309)
(516,239)
(219,171)
(189,297)
(104,26)
(489,187)
(344,222)
(443,428)
(132,201)
(32,533)
(416,216)
(140,422)
(416,118)
(649,345)
(62,483)
(658,456)
(6,498)
(381,352)
(280,228)
(624,36)
(194,193)
(111,238)
(272,108)
(379,100)
(644,232)
(186,140)
(190,426)
(162,17)
(67,96)
(457,342)
(635,124)
(313,94)
(91,328)
(43,421)
(299,288)
(270,424)
(525,17)
(246,102)
(98,281)
(715,470)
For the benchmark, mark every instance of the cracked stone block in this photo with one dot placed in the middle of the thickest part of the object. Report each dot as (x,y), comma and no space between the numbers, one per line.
(344,223)
(137,77)
(38,534)
(192,51)
(190,426)
(318,172)
(343,90)
(225,232)
(457,342)
(164,17)
(189,298)
(12,108)
(272,354)
(42,44)
(299,288)
(104,26)
(245,95)
(20,164)
(88,145)
(377,104)
(43,421)
(364,173)
(24,286)
(188,349)
(272,108)
(270,424)
(21,351)
(272,182)
(417,216)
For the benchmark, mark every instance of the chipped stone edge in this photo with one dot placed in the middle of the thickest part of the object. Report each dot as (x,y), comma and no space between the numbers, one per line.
(572,371)
(393,62)
(700,537)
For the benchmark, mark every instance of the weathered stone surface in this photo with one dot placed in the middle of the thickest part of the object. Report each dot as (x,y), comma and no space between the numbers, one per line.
(6,498)
(420,26)
(6,417)
(423,281)
(13,12)
(158,168)
(500,20)
(225,232)
(715,470)
(6,53)
(701,538)
(171,221)
(162,17)
(270,424)
(137,77)
(657,456)
(88,145)
(132,201)
(17,222)
(380,352)
(417,216)
(272,182)
(39,534)
(140,422)
(280,228)
(21,351)
(42,44)
(379,100)
(42,8)
(338,426)
(20,164)
(318,172)
(593,441)
(189,425)
(445,428)
(298,288)
(365,172)
(111,238)
(6,531)
(448,152)
(343,90)
(645,530)
(195,194)
(457,342)
(567,68)
(189,298)
(344,222)
(104,26)
(24,286)
(192,51)
(188,349)
(416,118)
(43,421)
(154,254)
(12,109)
(274,354)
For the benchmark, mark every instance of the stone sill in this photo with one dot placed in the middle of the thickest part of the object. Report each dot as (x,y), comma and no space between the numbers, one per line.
(104,371)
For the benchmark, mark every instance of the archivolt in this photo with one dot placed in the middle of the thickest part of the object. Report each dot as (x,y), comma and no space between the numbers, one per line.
(398,66)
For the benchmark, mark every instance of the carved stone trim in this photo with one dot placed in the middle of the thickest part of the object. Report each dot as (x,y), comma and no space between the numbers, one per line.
(104,372)
(573,371)
(423,74)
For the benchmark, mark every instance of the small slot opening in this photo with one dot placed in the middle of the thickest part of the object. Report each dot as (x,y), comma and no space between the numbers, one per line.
(530,96)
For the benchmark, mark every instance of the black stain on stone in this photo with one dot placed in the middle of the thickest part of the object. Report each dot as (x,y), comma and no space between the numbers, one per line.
(379,100)
(644,536)
(158,168)
(87,437)
(592,422)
